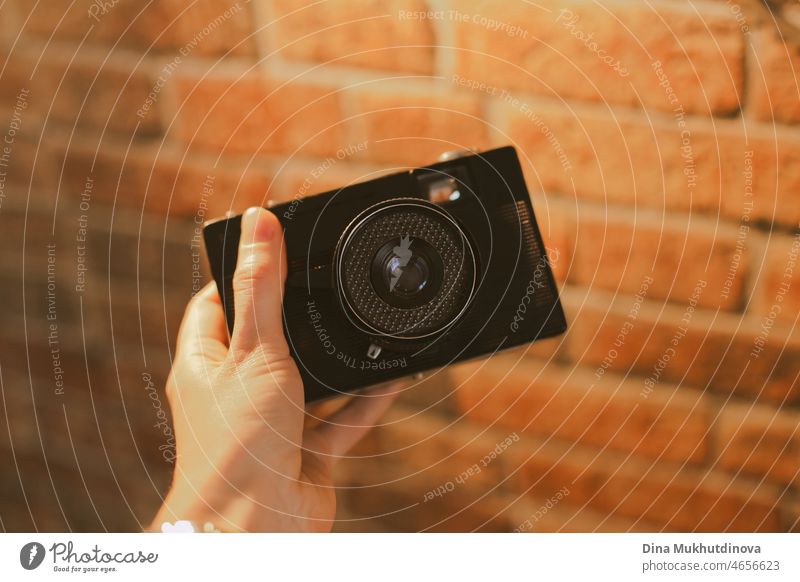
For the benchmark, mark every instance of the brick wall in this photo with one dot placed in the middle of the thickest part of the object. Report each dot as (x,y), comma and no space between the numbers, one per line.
(662,149)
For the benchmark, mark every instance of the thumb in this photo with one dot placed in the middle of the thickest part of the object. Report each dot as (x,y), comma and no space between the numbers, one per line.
(258,286)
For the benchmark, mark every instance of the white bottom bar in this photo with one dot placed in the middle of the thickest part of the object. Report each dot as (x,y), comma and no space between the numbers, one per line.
(371,557)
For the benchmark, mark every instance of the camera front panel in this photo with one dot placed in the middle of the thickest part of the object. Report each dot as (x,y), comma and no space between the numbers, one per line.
(407,273)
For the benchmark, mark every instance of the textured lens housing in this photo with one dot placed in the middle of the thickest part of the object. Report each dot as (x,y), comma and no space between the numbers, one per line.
(404,269)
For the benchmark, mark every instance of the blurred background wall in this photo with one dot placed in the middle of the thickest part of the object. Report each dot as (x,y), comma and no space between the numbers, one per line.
(662,150)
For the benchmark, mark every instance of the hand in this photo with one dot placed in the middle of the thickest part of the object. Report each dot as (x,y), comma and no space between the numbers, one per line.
(245,461)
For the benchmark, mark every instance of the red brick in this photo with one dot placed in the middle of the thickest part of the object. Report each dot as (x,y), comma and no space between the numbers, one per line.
(144,318)
(614,156)
(365,33)
(547,349)
(302,177)
(791,515)
(550,349)
(413,130)
(65,426)
(773,87)
(716,351)
(397,507)
(157,252)
(91,90)
(202,27)
(674,498)
(760,440)
(413,441)
(701,52)
(541,515)
(163,182)
(579,405)
(349,522)
(622,158)
(32,166)
(18,223)
(777,293)
(22,124)
(16,65)
(20,499)
(617,251)
(8,20)
(249,113)
(33,397)
(414,453)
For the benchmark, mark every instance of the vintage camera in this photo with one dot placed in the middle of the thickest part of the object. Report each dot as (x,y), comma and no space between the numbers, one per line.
(406,273)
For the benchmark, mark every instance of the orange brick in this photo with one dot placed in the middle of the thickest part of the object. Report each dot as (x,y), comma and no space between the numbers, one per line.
(760,440)
(604,53)
(151,320)
(164,182)
(307,177)
(397,507)
(32,164)
(773,89)
(9,20)
(791,515)
(349,522)
(777,293)
(557,223)
(623,158)
(249,113)
(80,89)
(413,130)
(580,405)
(419,453)
(203,27)
(364,33)
(532,514)
(16,71)
(668,496)
(437,444)
(715,351)
(550,349)
(622,145)
(618,250)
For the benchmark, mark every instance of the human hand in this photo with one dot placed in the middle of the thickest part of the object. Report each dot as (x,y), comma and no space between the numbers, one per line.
(245,461)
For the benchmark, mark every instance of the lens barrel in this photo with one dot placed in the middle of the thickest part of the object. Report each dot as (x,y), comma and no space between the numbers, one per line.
(404,269)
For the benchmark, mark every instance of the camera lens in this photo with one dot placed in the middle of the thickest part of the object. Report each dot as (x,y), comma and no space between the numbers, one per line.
(406,272)
(404,269)
(406,278)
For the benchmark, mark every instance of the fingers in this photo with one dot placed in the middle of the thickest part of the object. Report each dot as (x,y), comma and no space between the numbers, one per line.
(349,424)
(202,332)
(258,285)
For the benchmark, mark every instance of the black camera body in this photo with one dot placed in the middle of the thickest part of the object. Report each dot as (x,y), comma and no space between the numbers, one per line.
(406,273)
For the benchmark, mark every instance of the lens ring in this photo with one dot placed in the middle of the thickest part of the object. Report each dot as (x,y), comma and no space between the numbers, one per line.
(431,236)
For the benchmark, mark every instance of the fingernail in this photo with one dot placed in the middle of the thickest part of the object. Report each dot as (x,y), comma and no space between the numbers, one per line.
(256,227)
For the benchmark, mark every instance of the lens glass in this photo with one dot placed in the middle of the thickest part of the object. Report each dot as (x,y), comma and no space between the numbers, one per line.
(409,278)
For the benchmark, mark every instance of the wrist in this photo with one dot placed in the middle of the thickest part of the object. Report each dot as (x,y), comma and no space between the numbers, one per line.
(182,505)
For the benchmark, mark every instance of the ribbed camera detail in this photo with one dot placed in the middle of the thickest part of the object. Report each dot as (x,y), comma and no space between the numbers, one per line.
(404,269)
